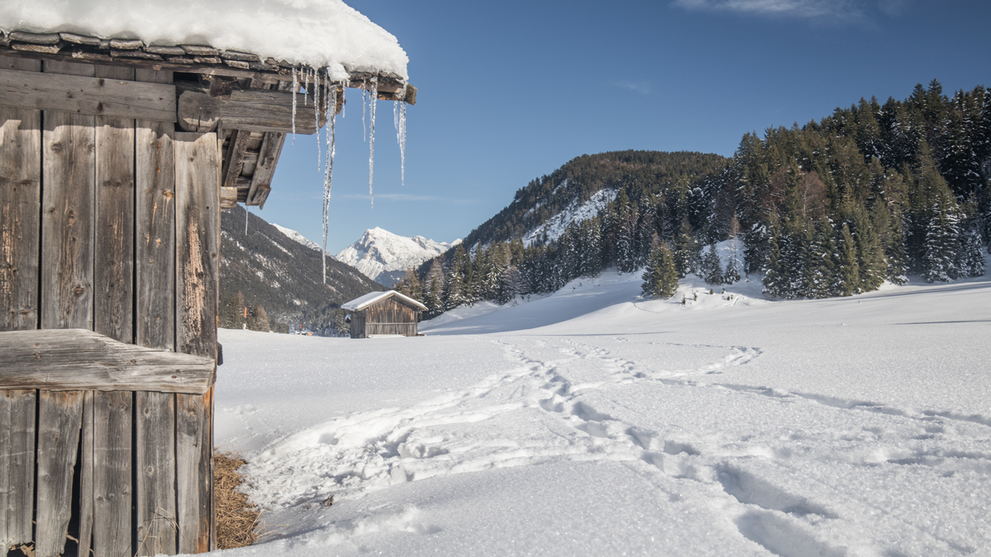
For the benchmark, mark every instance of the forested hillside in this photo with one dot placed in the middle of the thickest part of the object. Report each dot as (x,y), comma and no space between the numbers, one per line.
(870,193)
(280,281)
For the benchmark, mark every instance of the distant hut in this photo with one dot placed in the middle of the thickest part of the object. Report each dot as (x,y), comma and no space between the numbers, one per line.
(117,153)
(383,314)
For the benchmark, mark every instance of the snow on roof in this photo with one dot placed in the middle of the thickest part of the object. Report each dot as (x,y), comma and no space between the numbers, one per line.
(363,302)
(316,33)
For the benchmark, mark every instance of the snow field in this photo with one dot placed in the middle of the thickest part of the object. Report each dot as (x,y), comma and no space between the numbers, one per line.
(854,426)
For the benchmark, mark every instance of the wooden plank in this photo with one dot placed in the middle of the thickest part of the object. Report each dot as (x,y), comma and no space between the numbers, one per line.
(79,359)
(67,218)
(156,467)
(197,240)
(194,472)
(88,95)
(155,236)
(197,243)
(59,421)
(114,235)
(87,506)
(112,489)
(17,434)
(20,217)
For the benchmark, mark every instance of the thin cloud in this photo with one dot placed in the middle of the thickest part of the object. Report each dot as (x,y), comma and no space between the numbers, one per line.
(635,86)
(803,9)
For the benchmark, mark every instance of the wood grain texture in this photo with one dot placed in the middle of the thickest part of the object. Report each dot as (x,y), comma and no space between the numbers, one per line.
(155,222)
(156,469)
(17,437)
(79,359)
(83,94)
(112,489)
(87,504)
(20,217)
(252,109)
(194,472)
(69,145)
(59,421)
(113,273)
(197,242)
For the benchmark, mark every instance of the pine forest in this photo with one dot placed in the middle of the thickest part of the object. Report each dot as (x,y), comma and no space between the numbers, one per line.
(873,192)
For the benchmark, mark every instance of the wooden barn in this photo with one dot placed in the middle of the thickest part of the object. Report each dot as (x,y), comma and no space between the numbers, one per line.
(387,313)
(116,157)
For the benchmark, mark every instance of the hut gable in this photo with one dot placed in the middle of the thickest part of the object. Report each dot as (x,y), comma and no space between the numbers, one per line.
(383,314)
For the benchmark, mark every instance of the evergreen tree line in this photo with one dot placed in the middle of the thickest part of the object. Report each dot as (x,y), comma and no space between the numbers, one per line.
(833,208)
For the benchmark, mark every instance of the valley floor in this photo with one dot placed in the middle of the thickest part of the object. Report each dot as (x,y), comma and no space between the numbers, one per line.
(591,422)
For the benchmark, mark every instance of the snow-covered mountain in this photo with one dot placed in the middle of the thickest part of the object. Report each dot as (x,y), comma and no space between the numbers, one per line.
(293,235)
(384,257)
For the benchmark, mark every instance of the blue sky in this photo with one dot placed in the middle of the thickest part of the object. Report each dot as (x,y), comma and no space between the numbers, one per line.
(510,91)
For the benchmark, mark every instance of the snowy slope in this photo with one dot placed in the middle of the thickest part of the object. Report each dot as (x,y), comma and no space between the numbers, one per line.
(384,257)
(591,422)
(297,237)
(574,213)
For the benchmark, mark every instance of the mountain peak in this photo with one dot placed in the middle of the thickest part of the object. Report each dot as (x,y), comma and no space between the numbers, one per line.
(384,257)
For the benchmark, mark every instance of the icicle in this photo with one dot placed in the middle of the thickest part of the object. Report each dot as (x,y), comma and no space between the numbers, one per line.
(399,117)
(295,87)
(306,85)
(316,114)
(374,94)
(364,128)
(329,174)
(246,220)
(344,105)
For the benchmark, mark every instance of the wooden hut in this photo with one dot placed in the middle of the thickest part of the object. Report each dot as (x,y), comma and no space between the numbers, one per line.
(116,157)
(387,313)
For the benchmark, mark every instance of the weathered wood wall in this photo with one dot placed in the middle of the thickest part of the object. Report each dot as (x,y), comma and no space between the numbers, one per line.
(111,224)
(385,317)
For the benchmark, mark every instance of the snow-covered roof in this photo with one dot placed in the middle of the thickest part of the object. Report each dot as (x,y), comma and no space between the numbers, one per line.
(363,302)
(316,33)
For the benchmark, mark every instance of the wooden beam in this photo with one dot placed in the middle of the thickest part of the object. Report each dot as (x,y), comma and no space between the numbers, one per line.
(253,109)
(79,359)
(87,95)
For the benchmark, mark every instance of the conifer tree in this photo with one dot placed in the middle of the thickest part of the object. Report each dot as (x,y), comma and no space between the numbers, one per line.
(687,251)
(870,256)
(774,279)
(942,241)
(661,277)
(848,270)
(711,267)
